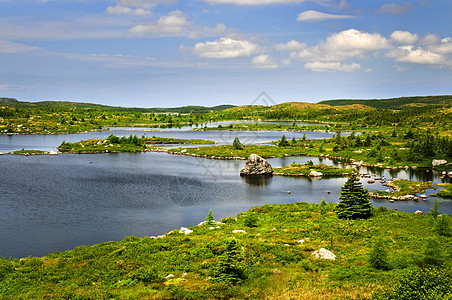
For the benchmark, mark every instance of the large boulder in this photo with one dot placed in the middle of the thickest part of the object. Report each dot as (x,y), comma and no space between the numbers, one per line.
(315,174)
(438,162)
(322,253)
(256,165)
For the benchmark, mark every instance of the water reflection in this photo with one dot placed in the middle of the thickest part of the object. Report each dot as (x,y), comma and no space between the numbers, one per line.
(257,180)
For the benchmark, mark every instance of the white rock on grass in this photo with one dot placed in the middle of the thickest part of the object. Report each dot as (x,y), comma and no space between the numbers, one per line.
(169,276)
(212,222)
(185,230)
(238,231)
(322,253)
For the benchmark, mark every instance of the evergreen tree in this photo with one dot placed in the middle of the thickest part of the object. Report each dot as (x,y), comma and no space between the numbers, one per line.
(210,219)
(236,145)
(228,269)
(354,201)
(283,142)
(443,226)
(378,256)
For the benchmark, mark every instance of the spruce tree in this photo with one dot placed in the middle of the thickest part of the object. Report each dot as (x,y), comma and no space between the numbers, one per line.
(236,145)
(354,201)
(283,142)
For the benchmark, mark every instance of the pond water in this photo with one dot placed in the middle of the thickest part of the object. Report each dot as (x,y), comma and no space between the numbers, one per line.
(56,203)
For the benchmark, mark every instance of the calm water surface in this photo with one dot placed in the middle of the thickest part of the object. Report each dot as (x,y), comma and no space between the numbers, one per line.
(55,203)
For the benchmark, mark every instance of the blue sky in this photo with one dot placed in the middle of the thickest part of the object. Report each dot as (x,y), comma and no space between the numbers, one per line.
(162,53)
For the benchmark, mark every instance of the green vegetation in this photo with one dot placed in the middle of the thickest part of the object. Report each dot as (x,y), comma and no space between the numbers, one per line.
(305,169)
(123,144)
(446,192)
(397,103)
(404,187)
(265,261)
(30,152)
(354,201)
(110,144)
(68,117)
(374,149)
(236,145)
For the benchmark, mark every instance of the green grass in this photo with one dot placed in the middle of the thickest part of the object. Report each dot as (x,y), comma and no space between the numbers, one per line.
(403,187)
(305,169)
(99,146)
(271,262)
(446,192)
(30,152)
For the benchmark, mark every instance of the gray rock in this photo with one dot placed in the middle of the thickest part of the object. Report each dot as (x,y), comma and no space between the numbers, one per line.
(256,165)
(322,253)
(437,162)
(315,174)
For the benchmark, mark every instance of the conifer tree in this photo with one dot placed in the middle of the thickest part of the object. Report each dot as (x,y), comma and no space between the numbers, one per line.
(354,201)
(236,145)
(283,142)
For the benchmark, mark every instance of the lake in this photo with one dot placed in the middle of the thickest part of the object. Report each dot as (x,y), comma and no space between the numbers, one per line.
(56,203)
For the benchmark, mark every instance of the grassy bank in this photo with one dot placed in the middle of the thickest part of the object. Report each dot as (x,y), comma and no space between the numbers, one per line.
(270,257)
(123,144)
(403,189)
(446,192)
(306,169)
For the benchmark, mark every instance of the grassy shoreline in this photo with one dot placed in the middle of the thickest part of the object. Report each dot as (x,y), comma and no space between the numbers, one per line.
(275,245)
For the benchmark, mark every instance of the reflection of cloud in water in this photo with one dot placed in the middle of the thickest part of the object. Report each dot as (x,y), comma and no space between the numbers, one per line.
(259,180)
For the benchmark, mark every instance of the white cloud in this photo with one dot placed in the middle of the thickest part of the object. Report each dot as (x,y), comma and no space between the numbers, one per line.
(404,37)
(393,8)
(136,7)
(411,54)
(257,2)
(264,61)
(290,46)
(332,67)
(220,29)
(173,23)
(124,10)
(147,4)
(343,45)
(225,48)
(16,48)
(442,47)
(312,15)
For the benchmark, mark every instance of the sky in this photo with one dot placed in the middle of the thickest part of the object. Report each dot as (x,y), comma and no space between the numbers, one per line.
(167,53)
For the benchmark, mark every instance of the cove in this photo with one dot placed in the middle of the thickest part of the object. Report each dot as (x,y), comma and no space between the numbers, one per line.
(56,203)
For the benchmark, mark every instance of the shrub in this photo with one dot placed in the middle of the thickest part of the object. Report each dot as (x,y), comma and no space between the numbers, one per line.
(442,226)
(432,284)
(283,142)
(250,220)
(378,256)
(228,269)
(236,145)
(432,254)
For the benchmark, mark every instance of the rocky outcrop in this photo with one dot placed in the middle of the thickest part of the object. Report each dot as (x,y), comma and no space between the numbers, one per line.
(256,165)
(315,174)
(438,162)
(322,253)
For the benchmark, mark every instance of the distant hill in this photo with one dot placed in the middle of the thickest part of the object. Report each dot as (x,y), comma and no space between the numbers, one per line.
(8,100)
(54,104)
(398,103)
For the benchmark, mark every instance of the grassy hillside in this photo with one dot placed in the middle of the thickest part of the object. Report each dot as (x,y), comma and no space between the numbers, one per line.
(398,103)
(11,102)
(269,257)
